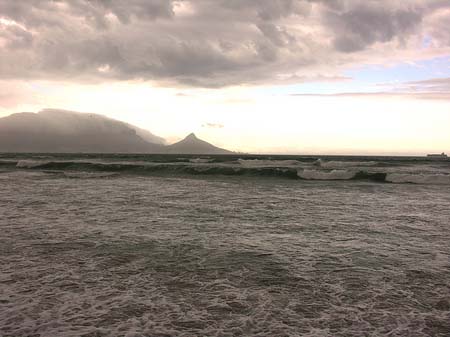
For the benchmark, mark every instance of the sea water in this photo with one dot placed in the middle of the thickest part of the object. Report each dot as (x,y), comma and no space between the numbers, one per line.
(224,246)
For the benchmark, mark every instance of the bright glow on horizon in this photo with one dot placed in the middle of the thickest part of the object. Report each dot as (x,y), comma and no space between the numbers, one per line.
(247,120)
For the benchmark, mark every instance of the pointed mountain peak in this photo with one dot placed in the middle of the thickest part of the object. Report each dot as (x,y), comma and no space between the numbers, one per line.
(193,145)
(191,136)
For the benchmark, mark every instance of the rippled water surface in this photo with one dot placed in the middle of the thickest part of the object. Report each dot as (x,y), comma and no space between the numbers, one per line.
(128,255)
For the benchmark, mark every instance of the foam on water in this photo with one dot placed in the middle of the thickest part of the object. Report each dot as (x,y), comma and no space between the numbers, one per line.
(382,170)
(200,160)
(440,179)
(326,175)
(268,163)
(343,164)
(226,256)
(28,163)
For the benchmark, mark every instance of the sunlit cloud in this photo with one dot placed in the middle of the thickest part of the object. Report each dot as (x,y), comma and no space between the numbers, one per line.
(281,75)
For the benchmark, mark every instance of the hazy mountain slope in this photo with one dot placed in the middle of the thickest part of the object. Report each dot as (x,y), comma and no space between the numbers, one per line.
(67,131)
(192,145)
(148,136)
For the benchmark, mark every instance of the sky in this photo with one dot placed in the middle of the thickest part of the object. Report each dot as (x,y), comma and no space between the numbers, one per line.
(261,76)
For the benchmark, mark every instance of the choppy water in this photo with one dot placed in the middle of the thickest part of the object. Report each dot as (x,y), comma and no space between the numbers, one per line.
(116,252)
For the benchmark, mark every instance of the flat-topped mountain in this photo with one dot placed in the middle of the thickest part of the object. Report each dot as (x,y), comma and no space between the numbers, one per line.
(64,131)
(193,145)
(68,131)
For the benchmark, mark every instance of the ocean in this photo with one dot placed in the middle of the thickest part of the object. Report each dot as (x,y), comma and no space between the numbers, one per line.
(165,245)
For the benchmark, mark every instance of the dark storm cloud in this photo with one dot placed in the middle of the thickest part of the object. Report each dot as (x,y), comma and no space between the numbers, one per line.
(208,43)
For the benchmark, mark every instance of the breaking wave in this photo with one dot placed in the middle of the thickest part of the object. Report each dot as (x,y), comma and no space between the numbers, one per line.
(27,163)
(435,179)
(326,175)
(343,164)
(169,168)
(290,169)
(268,163)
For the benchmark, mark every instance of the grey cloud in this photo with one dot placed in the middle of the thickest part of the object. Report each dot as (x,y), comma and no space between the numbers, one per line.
(431,87)
(16,37)
(441,96)
(269,9)
(276,34)
(438,29)
(83,56)
(36,13)
(213,44)
(435,85)
(435,88)
(125,11)
(359,27)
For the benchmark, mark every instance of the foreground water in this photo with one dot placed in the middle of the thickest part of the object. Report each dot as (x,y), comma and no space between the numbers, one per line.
(115,252)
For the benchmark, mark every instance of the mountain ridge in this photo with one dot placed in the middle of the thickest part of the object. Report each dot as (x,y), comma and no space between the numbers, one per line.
(64,131)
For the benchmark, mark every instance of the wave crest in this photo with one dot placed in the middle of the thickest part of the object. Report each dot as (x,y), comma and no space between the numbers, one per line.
(335,164)
(326,175)
(27,163)
(267,163)
(256,168)
(436,179)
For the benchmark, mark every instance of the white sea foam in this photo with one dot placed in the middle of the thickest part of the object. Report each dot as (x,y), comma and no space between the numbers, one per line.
(30,163)
(343,164)
(200,160)
(245,257)
(438,179)
(326,175)
(268,163)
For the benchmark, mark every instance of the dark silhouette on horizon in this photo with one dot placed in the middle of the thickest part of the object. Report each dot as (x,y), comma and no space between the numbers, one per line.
(61,131)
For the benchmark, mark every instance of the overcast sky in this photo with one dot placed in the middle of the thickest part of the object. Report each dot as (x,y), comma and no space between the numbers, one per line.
(286,76)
